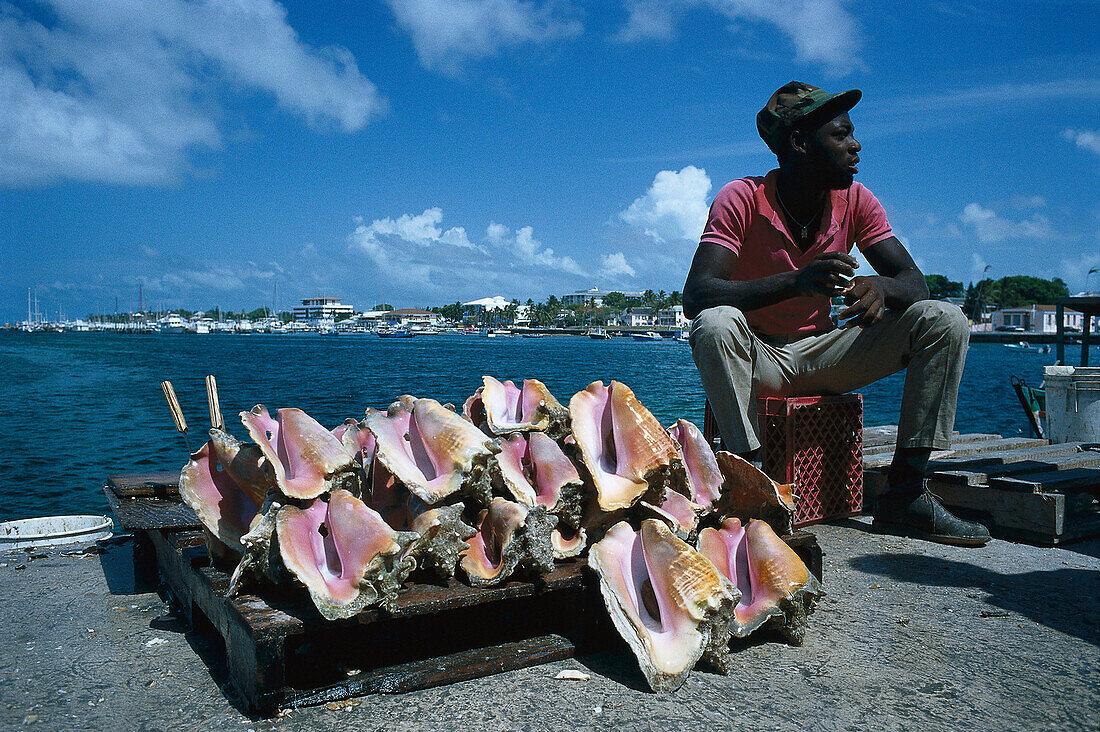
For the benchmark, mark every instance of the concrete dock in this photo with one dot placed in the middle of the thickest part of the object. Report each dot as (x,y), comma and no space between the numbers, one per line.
(911,635)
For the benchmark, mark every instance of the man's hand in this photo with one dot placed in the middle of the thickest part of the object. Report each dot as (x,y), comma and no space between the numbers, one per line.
(866,301)
(826,274)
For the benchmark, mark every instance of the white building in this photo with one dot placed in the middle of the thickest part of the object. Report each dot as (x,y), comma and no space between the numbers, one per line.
(316,309)
(672,317)
(413,317)
(1036,319)
(638,318)
(592,298)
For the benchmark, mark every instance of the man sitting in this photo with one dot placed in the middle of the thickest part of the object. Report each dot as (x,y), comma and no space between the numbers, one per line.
(774,252)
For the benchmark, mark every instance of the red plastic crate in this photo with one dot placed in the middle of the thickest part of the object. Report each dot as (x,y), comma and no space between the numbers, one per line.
(816,443)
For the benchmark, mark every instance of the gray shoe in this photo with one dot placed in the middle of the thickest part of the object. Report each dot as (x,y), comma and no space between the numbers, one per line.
(922,516)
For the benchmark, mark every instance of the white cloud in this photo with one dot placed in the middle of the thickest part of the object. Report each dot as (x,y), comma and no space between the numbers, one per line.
(414,252)
(822,31)
(445,33)
(123,92)
(1075,273)
(989,228)
(675,206)
(615,265)
(1084,139)
(383,240)
(529,251)
(978,267)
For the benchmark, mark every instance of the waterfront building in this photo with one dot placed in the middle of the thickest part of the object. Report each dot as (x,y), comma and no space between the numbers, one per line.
(672,317)
(594,297)
(316,309)
(1037,319)
(638,318)
(412,318)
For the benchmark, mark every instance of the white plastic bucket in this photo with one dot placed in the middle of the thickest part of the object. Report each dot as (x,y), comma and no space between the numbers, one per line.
(50,530)
(1073,403)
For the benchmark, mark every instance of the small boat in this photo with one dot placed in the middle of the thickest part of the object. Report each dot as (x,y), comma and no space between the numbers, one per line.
(683,336)
(598,334)
(394,333)
(534,335)
(649,335)
(1021,346)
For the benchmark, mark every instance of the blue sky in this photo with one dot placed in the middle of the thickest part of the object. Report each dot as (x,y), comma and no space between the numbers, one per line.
(427,151)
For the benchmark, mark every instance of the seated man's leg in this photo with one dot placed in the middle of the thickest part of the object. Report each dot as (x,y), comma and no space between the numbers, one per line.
(929,340)
(733,364)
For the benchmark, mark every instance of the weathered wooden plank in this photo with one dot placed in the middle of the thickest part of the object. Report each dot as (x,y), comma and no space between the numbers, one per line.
(983,475)
(462,666)
(1077,479)
(157,485)
(147,514)
(1039,512)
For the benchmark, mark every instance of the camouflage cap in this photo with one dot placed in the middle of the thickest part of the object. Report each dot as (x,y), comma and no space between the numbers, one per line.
(795,101)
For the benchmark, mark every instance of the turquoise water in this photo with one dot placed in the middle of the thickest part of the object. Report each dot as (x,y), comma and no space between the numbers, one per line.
(78,407)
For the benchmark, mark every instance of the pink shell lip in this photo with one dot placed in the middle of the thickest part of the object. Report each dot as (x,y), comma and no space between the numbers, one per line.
(431,450)
(343,552)
(704,477)
(502,408)
(768,573)
(665,599)
(626,451)
(303,454)
(224,508)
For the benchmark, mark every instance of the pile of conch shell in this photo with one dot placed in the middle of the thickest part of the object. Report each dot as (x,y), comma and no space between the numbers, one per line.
(685,541)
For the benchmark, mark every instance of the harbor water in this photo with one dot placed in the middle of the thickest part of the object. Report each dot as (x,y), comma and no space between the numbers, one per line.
(78,407)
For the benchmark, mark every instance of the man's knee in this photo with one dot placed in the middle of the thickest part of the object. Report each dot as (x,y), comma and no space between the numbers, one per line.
(942,319)
(721,327)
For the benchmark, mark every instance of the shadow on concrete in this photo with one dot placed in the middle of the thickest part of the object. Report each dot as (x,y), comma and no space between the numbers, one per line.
(1061,599)
(619,665)
(1087,547)
(127,572)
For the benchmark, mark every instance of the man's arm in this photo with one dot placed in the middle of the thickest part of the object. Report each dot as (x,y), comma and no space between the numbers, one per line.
(708,284)
(898,285)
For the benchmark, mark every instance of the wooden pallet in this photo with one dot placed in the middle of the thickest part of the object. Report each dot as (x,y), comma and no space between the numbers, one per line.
(280,652)
(1023,489)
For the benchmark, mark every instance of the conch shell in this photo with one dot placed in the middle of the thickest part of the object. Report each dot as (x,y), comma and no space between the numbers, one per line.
(344,553)
(704,478)
(510,537)
(225,507)
(535,471)
(748,493)
(623,446)
(678,511)
(667,601)
(432,451)
(505,408)
(307,460)
(774,583)
(357,440)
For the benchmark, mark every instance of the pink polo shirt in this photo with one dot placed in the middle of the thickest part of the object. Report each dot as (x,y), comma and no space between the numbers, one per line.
(745,219)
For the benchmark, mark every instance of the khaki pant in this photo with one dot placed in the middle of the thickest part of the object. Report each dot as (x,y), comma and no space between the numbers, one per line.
(736,366)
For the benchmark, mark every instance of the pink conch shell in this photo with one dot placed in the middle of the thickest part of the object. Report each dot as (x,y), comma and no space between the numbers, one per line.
(678,511)
(344,553)
(749,493)
(245,463)
(432,451)
(222,505)
(623,446)
(357,440)
(774,583)
(506,408)
(666,600)
(305,457)
(510,536)
(535,472)
(704,478)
